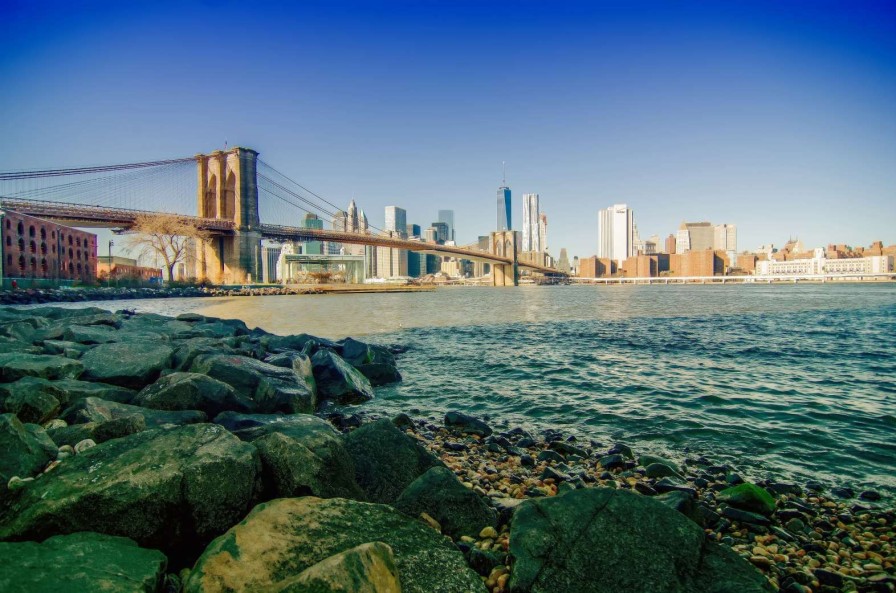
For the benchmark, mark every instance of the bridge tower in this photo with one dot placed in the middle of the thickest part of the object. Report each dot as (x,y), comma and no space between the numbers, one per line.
(504,244)
(228,190)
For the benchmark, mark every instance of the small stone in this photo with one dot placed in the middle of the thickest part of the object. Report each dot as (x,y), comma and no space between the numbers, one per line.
(870,495)
(488,532)
(829,578)
(431,522)
(84,445)
(761,562)
(16,482)
(843,492)
(612,461)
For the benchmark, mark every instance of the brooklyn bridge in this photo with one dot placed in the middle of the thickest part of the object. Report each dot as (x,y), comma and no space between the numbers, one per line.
(239,200)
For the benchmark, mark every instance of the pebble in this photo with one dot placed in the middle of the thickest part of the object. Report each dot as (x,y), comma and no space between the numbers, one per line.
(84,445)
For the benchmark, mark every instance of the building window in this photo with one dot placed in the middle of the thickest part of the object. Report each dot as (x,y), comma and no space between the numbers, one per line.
(53,234)
(21,228)
(21,244)
(43,248)
(33,247)
(21,264)
(31,231)
(43,267)
(43,234)
(8,241)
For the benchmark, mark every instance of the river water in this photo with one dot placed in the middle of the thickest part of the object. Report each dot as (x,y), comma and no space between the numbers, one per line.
(792,381)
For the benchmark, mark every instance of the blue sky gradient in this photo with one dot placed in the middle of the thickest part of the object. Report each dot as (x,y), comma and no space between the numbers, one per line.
(779,117)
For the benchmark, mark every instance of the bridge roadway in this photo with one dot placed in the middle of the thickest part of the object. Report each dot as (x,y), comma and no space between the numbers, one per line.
(97,216)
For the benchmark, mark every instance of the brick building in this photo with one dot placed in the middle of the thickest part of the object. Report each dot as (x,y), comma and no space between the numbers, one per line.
(34,248)
(646,266)
(125,268)
(706,262)
(596,267)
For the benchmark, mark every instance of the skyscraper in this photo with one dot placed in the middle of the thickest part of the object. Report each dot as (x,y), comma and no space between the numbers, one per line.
(725,237)
(311,221)
(695,236)
(414,230)
(441,231)
(504,220)
(542,232)
(447,216)
(397,220)
(616,233)
(530,222)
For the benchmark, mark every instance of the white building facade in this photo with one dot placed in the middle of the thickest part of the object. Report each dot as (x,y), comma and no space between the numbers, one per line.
(819,264)
(530,223)
(616,233)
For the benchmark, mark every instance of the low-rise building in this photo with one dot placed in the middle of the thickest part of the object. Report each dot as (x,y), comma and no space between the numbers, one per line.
(596,267)
(124,268)
(38,249)
(819,263)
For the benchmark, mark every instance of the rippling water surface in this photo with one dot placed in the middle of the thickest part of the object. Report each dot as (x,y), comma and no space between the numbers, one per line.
(794,381)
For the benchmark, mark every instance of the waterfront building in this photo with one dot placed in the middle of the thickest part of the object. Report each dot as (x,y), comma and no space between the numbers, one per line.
(531,220)
(504,218)
(117,268)
(447,216)
(725,239)
(646,266)
(616,233)
(819,263)
(596,267)
(706,262)
(695,236)
(270,256)
(746,262)
(390,262)
(37,249)
(397,221)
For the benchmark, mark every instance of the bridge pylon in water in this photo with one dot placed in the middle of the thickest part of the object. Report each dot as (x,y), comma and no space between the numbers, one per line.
(504,244)
(228,190)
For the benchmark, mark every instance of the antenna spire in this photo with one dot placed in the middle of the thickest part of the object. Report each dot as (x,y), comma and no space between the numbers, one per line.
(504,173)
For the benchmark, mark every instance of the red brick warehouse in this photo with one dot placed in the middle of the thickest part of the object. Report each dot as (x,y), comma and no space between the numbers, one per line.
(39,249)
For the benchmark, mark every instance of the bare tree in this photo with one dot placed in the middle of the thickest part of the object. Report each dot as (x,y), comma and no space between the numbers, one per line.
(163,235)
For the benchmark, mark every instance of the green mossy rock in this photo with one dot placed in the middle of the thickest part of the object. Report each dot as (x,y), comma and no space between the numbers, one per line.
(439,493)
(375,362)
(192,391)
(32,399)
(98,432)
(14,366)
(749,497)
(368,568)
(25,449)
(386,460)
(172,489)
(94,409)
(648,460)
(284,537)
(91,334)
(80,563)
(131,364)
(339,381)
(600,539)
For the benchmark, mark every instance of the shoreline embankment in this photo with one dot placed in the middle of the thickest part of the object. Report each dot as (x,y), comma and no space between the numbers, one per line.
(140,448)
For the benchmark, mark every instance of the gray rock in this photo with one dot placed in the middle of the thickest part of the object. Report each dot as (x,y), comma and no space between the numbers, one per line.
(368,568)
(466,424)
(386,460)
(601,539)
(168,489)
(25,449)
(439,493)
(32,399)
(75,390)
(375,362)
(14,366)
(80,563)
(339,381)
(98,432)
(131,364)
(193,391)
(282,538)
(90,334)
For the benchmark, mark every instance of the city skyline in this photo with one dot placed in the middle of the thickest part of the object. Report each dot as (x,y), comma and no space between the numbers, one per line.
(774,116)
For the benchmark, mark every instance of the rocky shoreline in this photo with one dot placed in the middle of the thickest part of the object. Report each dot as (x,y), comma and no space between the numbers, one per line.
(147,453)
(39,296)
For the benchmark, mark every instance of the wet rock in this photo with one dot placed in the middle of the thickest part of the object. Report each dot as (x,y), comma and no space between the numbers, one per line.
(386,460)
(578,542)
(843,492)
(315,464)
(552,456)
(94,409)
(749,497)
(620,449)
(192,391)
(439,493)
(80,563)
(306,428)
(75,390)
(339,381)
(660,470)
(14,366)
(98,432)
(32,399)
(131,364)
(90,334)
(612,461)
(298,342)
(736,514)
(466,424)
(567,449)
(281,538)
(368,568)
(870,495)
(168,489)
(374,362)
(24,449)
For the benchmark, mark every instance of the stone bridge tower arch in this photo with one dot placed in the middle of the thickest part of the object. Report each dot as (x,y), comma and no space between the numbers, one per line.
(227,189)
(505,244)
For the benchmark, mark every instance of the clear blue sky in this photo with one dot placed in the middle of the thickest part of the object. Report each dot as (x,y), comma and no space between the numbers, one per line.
(779,117)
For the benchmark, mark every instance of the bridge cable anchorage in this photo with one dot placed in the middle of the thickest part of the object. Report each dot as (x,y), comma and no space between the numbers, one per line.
(9,175)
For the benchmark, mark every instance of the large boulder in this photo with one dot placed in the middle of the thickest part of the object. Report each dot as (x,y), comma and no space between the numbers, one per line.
(376,363)
(187,351)
(602,539)
(439,493)
(339,381)
(75,390)
(309,429)
(386,460)
(24,449)
(80,563)
(298,342)
(131,364)
(98,432)
(193,391)
(368,568)
(14,366)
(94,409)
(173,490)
(275,389)
(284,537)
(32,399)
(466,424)
(90,334)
